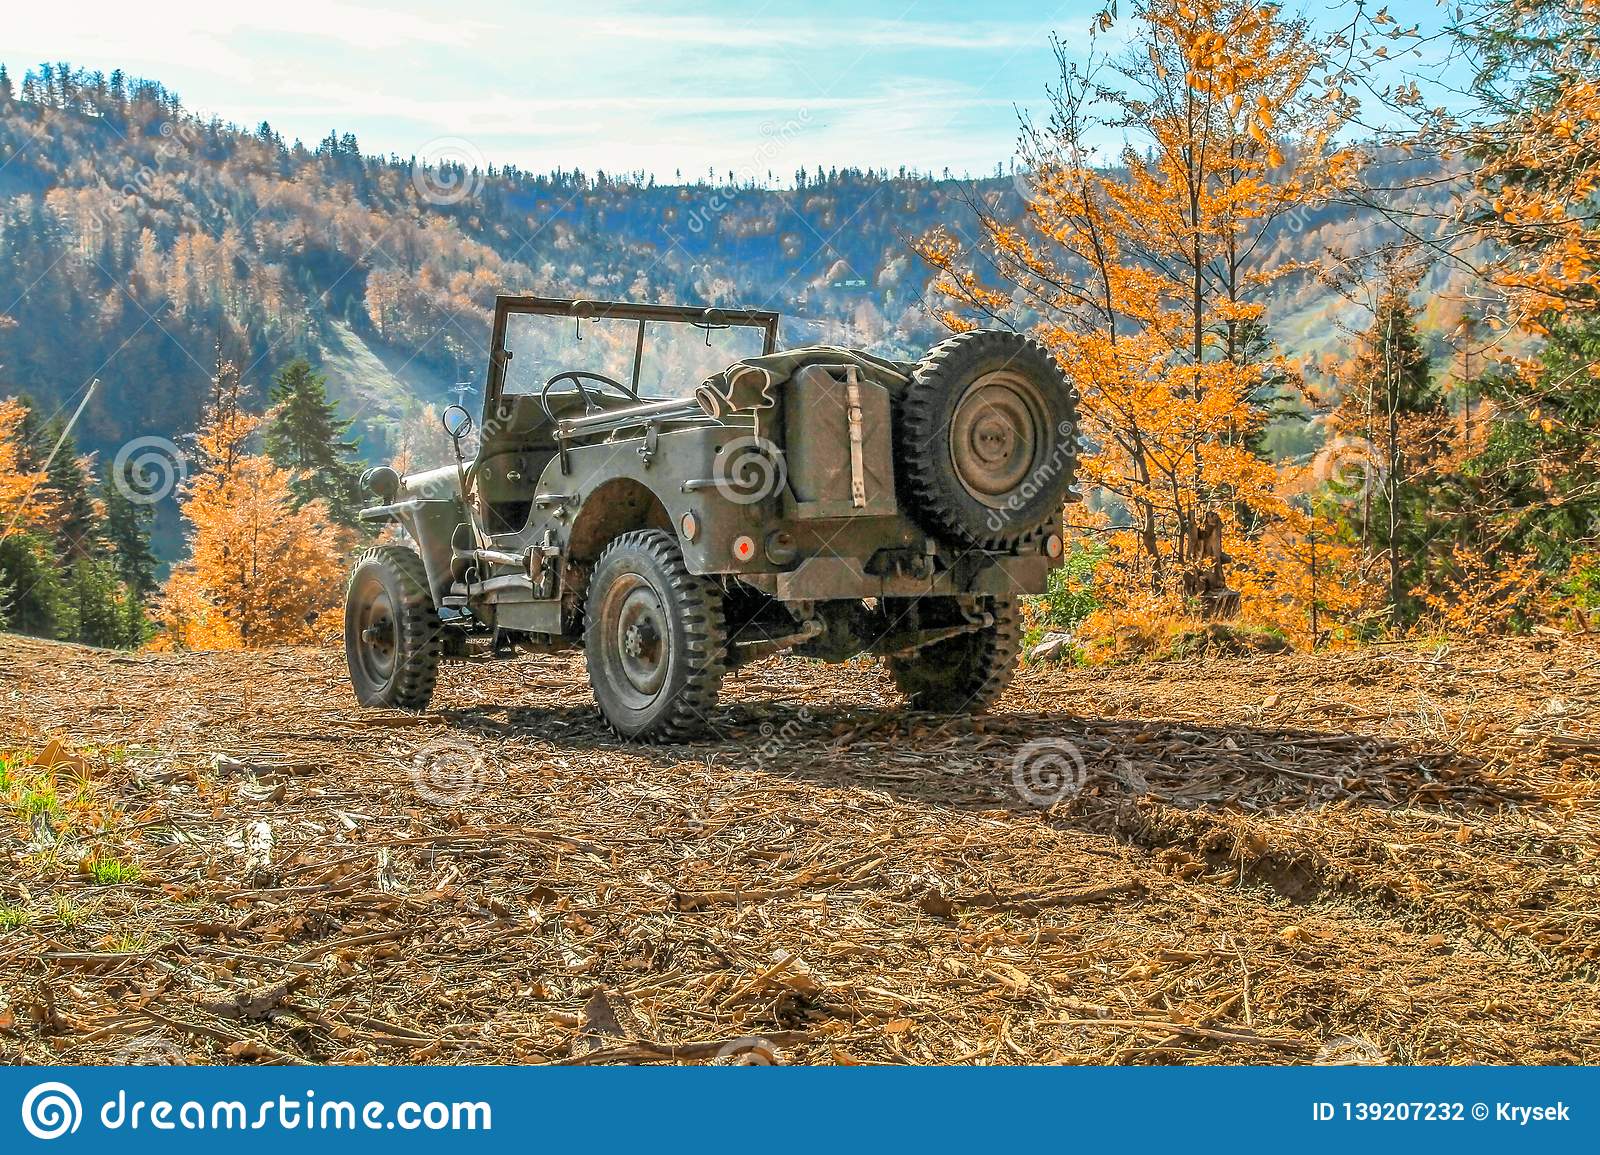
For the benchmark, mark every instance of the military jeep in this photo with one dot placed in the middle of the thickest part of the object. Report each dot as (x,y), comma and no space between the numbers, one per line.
(664,487)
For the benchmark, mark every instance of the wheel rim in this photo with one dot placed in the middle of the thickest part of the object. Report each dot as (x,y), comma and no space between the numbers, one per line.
(638,639)
(377,634)
(998,435)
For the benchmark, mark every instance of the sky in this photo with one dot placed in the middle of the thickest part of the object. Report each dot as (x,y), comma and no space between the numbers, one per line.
(746,86)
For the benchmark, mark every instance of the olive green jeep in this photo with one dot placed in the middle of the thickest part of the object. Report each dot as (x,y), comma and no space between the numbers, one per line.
(663,486)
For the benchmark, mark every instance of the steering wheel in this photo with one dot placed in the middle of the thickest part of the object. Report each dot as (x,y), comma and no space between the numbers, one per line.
(591,403)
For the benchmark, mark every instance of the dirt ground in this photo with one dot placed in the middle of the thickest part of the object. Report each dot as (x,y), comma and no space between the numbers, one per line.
(1380,856)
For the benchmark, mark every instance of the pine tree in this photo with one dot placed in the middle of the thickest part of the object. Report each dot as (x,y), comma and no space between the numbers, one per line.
(94,597)
(127,531)
(1534,487)
(75,514)
(306,436)
(1394,421)
(134,626)
(32,600)
(5,86)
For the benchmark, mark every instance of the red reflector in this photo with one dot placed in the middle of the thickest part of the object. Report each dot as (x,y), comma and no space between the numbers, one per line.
(744,548)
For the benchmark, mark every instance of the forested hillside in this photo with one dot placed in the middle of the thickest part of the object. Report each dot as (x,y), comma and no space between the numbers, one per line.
(138,244)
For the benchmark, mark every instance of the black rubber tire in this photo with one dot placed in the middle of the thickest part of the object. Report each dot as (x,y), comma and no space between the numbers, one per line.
(664,688)
(389,585)
(1033,471)
(966,673)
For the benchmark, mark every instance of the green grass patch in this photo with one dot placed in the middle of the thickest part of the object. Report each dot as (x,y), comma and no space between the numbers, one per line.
(68,913)
(112,872)
(14,917)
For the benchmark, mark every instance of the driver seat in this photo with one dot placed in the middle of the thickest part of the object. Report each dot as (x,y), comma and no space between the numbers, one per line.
(518,443)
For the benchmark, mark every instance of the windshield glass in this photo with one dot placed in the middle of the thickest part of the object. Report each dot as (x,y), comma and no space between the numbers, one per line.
(674,356)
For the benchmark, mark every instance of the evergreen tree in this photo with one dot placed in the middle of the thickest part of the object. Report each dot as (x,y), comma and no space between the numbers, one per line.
(31,597)
(75,516)
(1534,487)
(134,626)
(306,436)
(1396,409)
(127,531)
(5,86)
(93,598)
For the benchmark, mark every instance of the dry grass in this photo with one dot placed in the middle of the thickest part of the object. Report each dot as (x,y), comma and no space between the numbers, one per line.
(1389,854)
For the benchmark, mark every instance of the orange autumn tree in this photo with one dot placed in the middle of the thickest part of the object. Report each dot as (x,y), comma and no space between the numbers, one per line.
(1147,280)
(260,572)
(15,482)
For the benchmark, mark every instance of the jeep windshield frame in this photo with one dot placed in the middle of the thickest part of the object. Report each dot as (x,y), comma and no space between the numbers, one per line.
(622,336)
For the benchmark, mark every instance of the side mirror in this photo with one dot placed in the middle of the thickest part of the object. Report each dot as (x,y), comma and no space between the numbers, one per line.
(457,422)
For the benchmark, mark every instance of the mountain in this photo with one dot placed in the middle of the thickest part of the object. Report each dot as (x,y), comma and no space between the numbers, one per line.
(138,244)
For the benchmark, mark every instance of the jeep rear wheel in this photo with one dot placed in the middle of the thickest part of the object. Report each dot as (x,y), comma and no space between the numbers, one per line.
(987,439)
(966,673)
(391,630)
(655,638)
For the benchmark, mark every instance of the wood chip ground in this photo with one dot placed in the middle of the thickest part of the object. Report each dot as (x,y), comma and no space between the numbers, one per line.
(1389,855)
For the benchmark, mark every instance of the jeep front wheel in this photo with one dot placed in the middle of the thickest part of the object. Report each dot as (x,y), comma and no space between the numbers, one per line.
(655,638)
(391,630)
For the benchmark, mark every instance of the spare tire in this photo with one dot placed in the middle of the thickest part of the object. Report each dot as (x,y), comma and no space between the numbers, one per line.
(987,439)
